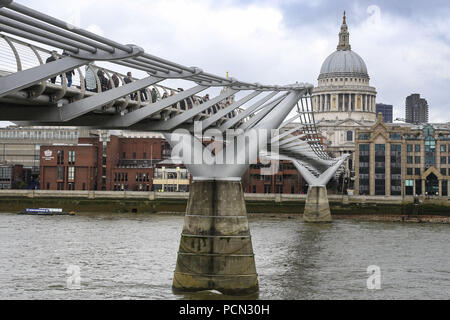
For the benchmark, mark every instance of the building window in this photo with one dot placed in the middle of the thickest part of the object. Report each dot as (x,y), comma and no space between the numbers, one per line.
(443,160)
(409,187)
(430,146)
(364,136)
(409,171)
(84,186)
(409,147)
(409,159)
(60,175)
(134,155)
(395,136)
(71,157)
(380,169)
(443,148)
(145,155)
(71,175)
(417,171)
(396,169)
(417,159)
(349,135)
(444,171)
(48,185)
(124,155)
(60,157)
(417,148)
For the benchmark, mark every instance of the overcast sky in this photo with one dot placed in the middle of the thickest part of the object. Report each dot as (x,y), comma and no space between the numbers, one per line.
(405,44)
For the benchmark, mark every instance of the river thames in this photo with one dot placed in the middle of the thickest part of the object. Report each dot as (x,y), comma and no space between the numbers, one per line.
(126,256)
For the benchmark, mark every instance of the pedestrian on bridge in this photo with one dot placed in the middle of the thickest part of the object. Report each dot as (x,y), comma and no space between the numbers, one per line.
(113,82)
(103,80)
(129,79)
(53,57)
(69,74)
(154,95)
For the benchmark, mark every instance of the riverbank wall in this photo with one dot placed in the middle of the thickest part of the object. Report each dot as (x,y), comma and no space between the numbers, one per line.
(160,202)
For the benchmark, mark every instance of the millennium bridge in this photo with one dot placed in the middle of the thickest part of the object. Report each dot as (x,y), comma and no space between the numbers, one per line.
(216,139)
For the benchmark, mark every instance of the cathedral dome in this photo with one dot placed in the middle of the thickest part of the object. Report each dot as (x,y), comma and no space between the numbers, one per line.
(343,63)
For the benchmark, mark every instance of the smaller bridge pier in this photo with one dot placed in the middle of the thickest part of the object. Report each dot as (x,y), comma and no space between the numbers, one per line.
(317,208)
(216,250)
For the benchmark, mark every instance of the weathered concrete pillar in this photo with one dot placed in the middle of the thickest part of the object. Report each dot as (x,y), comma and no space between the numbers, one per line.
(216,251)
(317,208)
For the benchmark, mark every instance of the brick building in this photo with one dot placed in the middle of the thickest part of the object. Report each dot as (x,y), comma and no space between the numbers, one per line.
(286,180)
(119,163)
(110,163)
(69,167)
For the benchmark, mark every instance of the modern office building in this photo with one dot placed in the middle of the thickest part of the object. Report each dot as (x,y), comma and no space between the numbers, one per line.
(386,111)
(12,177)
(416,109)
(403,159)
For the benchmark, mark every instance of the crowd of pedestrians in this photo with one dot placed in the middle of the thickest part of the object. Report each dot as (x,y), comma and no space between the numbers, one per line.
(91,84)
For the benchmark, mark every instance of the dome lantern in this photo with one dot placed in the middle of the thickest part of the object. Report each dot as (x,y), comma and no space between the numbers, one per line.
(344,36)
(344,61)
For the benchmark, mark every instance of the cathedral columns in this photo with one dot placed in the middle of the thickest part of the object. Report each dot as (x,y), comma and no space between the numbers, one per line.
(349,101)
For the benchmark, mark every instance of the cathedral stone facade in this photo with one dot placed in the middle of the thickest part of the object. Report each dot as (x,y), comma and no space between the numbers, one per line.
(343,100)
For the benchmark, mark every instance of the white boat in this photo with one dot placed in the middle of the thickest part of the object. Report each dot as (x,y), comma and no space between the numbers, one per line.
(46,212)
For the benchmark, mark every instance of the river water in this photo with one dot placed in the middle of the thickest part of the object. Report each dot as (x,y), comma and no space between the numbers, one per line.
(133,257)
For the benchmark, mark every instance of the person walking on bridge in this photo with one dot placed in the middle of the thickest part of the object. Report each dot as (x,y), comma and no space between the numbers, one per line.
(103,80)
(53,57)
(69,74)
(129,79)
(114,82)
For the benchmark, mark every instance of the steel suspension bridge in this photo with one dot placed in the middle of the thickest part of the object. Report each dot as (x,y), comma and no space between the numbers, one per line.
(215,248)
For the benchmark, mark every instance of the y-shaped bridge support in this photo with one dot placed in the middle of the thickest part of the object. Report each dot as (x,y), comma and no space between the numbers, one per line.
(216,250)
(317,208)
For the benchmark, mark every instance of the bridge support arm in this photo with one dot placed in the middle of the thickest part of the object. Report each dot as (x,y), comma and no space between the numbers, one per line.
(24,79)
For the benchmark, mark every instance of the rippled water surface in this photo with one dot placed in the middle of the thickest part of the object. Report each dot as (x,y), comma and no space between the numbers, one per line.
(133,257)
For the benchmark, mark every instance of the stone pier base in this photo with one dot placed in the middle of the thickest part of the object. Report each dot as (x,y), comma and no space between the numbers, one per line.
(317,208)
(216,250)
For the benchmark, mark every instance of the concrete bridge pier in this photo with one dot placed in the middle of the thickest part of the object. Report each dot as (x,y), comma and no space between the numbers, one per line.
(317,208)
(216,251)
